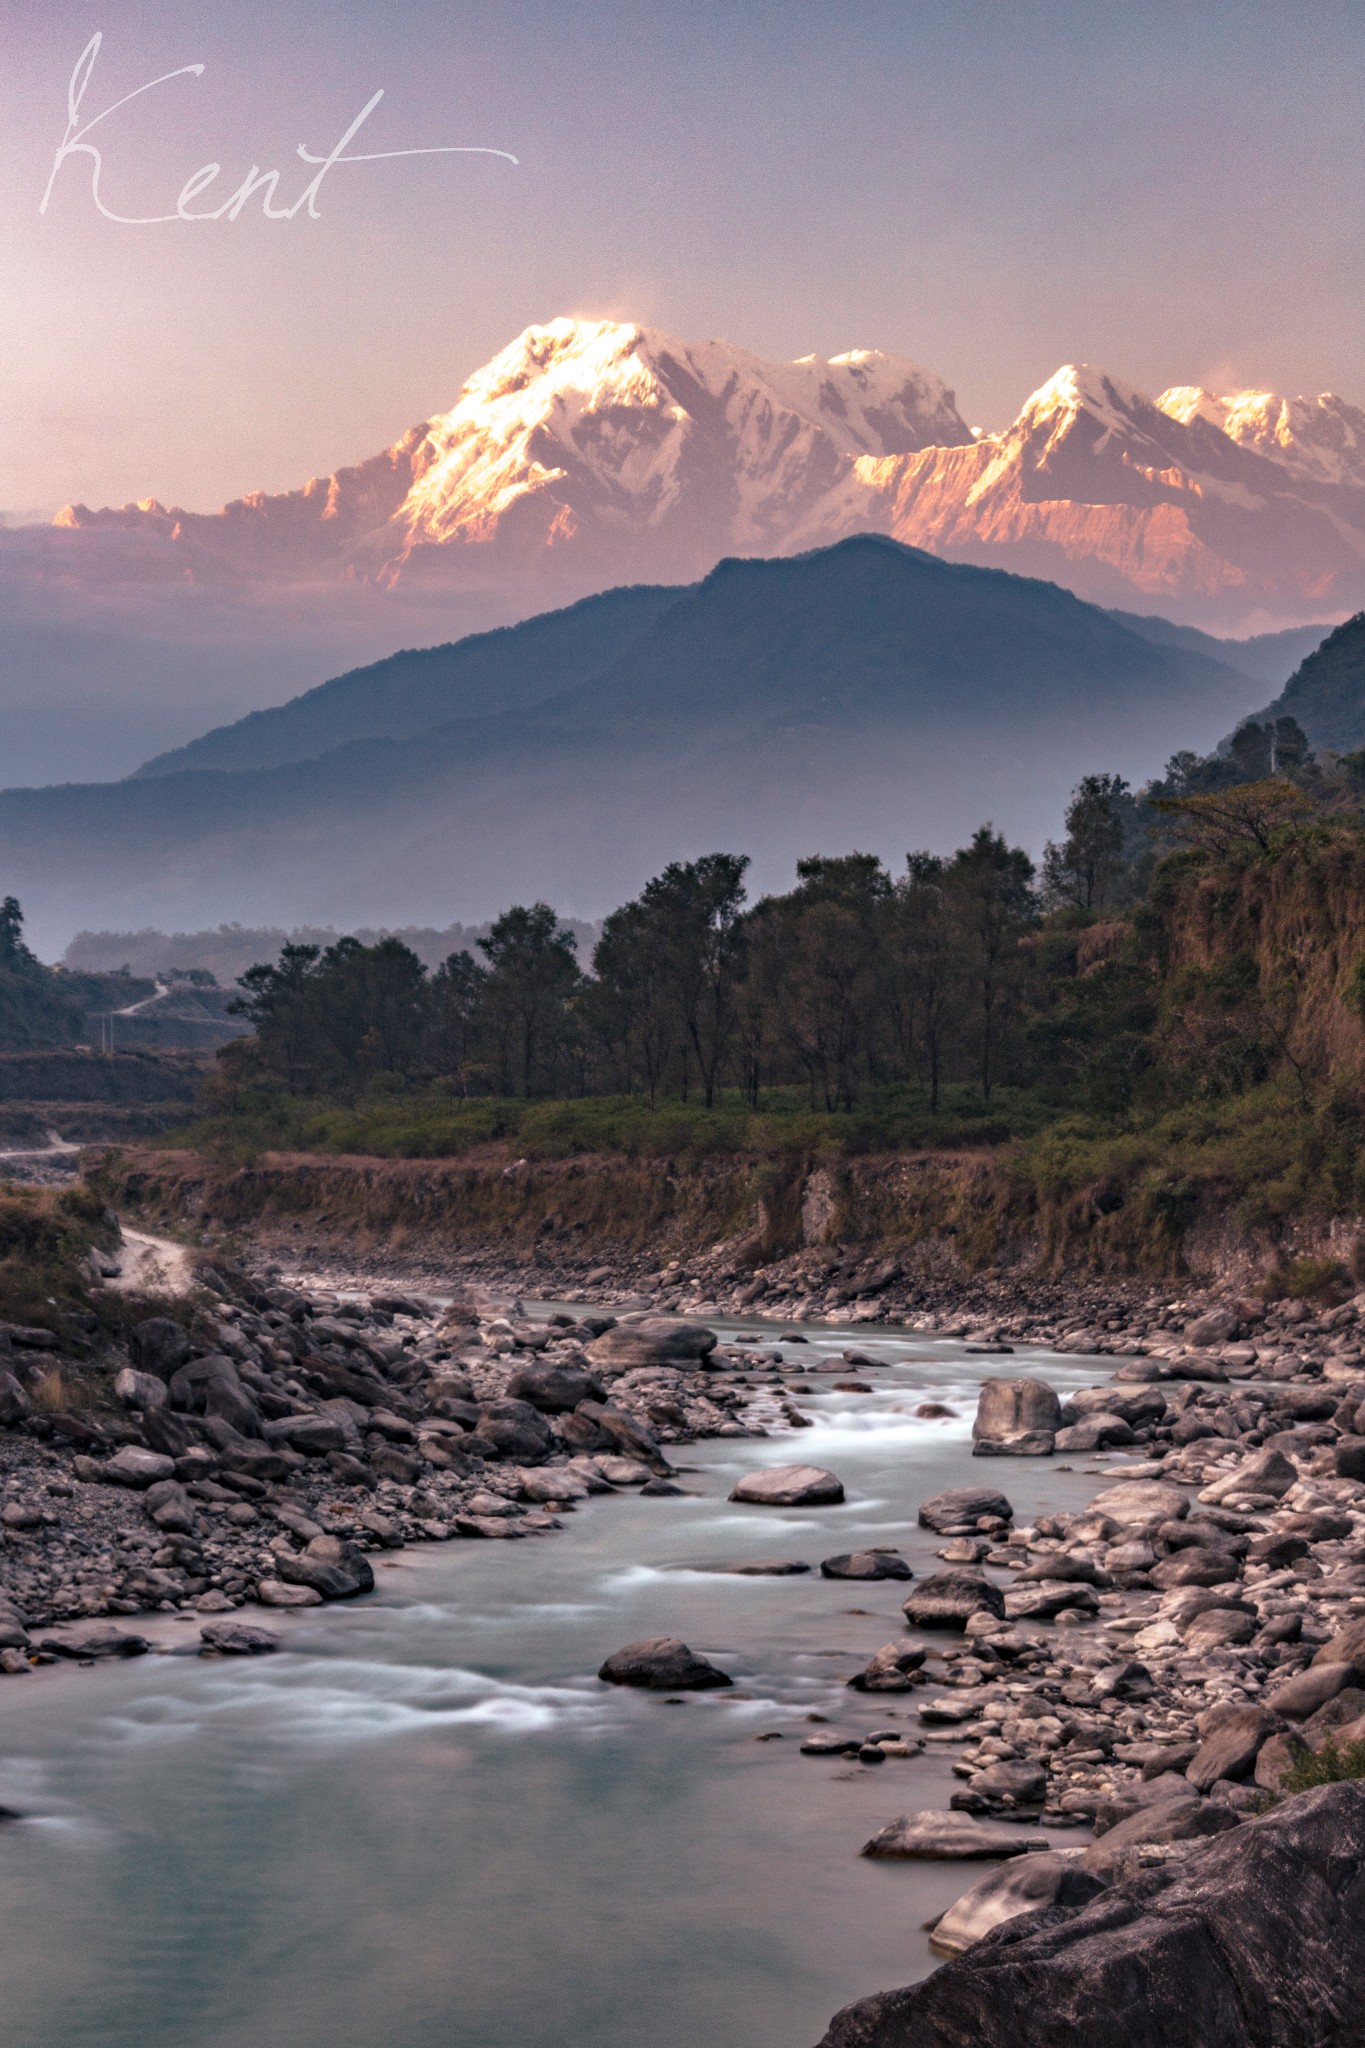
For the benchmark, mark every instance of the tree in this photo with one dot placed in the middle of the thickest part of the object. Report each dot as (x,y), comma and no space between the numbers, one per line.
(12,947)
(835,936)
(631,1000)
(693,914)
(1249,814)
(330,1021)
(532,976)
(926,960)
(1088,869)
(990,893)
(457,999)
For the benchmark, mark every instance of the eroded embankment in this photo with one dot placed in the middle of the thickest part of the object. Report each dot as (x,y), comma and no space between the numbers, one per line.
(942,1216)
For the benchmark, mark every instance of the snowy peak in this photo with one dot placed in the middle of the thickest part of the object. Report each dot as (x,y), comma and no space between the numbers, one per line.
(1322,438)
(611,419)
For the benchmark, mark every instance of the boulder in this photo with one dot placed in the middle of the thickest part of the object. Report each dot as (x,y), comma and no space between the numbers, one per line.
(1027,1885)
(623,1430)
(132,1466)
(1219,1627)
(1135,1503)
(654,1340)
(211,1387)
(1097,1432)
(1197,1566)
(169,1506)
(1308,1690)
(237,1639)
(1269,1472)
(1015,1418)
(789,1486)
(1230,1736)
(894,1668)
(1047,1597)
(275,1593)
(139,1390)
(1020,1780)
(556,1389)
(1219,1326)
(866,1564)
(158,1346)
(513,1430)
(1347,1646)
(1254,1940)
(333,1569)
(949,1837)
(15,1405)
(961,1506)
(949,1599)
(662,1664)
(173,1435)
(313,1436)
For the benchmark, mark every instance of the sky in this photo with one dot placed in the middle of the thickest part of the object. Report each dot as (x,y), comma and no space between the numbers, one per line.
(991,187)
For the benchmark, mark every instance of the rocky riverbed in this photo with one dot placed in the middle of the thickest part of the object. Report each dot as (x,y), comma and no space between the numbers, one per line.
(1142,1667)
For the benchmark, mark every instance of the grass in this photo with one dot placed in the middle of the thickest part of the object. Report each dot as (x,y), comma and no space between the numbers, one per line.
(435,1123)
(1330,1765)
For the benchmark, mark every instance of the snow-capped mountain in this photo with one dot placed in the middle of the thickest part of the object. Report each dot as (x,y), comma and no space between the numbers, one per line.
(1320,438)
(615,442)
(591,452)
(1178,501)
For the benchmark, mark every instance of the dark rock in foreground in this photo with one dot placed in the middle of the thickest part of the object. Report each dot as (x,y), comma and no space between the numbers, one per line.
(1255,1941)
(662,1664)
(880,1563)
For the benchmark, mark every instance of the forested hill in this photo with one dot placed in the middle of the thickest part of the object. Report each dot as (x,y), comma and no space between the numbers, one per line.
(1326,694)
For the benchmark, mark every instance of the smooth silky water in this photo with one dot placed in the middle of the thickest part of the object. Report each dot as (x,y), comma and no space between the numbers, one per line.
(426,1824)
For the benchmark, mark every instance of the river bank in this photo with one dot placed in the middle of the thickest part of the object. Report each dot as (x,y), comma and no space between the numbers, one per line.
(1098,1646)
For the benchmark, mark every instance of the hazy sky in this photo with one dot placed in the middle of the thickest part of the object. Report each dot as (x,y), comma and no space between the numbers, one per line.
(992,187)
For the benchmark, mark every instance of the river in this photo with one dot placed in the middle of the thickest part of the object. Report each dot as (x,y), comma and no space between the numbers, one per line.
(426,1824)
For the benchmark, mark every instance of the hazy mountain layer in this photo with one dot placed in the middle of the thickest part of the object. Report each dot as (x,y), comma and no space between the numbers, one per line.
(864,695)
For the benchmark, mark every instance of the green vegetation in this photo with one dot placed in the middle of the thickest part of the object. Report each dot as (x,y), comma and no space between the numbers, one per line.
(48,1006)
(1330,1765)
(1167,1023)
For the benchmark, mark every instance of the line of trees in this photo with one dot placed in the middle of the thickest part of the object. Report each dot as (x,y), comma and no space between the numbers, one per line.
(969,967)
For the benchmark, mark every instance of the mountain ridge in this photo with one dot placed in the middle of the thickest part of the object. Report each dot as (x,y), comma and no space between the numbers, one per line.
(867,693)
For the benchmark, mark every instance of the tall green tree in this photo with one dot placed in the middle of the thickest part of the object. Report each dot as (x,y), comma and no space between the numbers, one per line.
(989,887)
(694,912)
(532,977)
(1088,870)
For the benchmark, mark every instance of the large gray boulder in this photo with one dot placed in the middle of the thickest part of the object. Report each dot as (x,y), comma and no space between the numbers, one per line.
(1016,1419)
(949,1837)
(556,1389)
(961,1507)
(332,1569)
(654,1340)
(1230,1736)
(513,1430)
(790,1486)
(866,1564)
(1136,1503)
(1026,1885)
(1255,1940)
(662,1664)
(158,1346)
(949,1599)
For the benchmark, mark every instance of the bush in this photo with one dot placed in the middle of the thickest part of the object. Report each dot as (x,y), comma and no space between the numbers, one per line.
(1329,1765)
(1309,1280)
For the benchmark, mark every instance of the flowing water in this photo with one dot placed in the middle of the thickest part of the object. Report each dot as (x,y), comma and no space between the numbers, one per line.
(426,1824)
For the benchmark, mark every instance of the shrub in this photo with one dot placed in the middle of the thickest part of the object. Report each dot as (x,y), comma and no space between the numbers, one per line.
(1329,1765)
(1309,1280)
